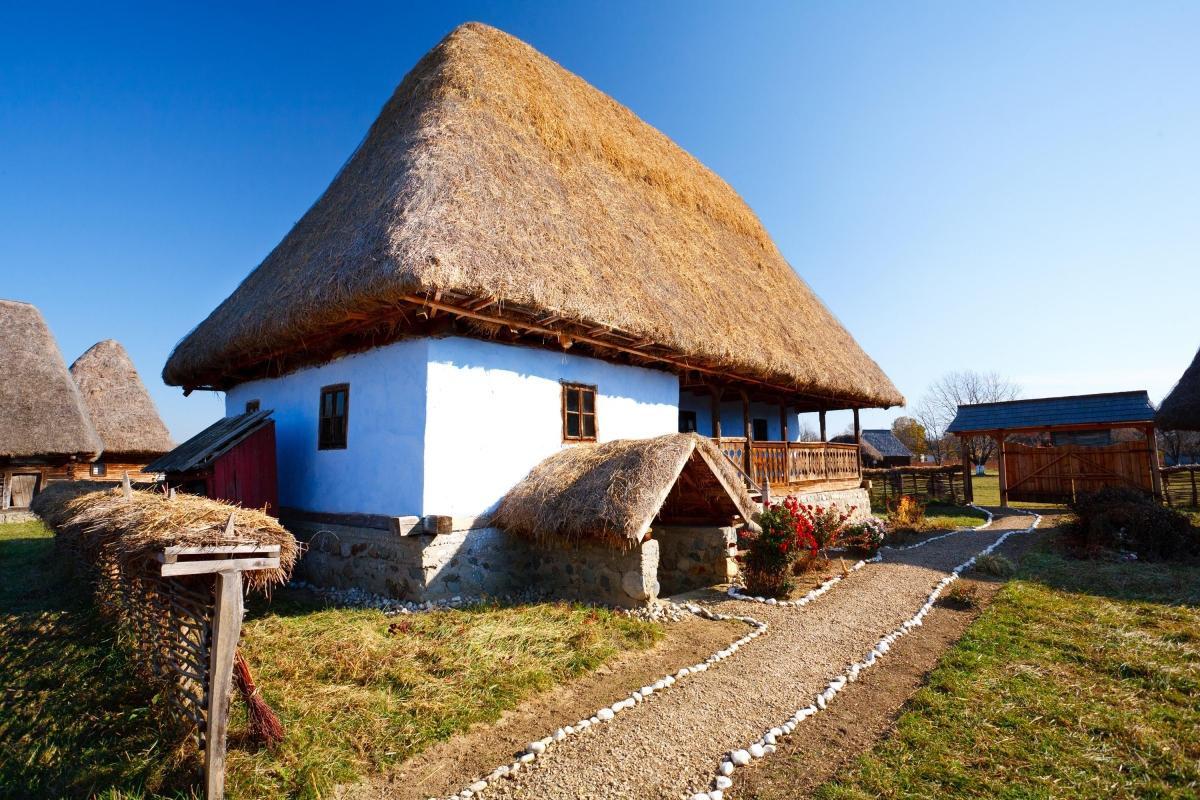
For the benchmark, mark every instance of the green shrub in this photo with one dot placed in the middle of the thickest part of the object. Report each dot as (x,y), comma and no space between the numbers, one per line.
(784,546)
(997,565)
(1118,519)
(960,595)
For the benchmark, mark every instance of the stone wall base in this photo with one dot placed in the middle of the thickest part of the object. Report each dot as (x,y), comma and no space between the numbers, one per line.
(859,499)
(694,557)
(16,515)
(479,561)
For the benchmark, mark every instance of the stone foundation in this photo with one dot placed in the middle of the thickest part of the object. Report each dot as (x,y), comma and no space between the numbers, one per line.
(16,515)
(859,498)
(479,561)
(694,557)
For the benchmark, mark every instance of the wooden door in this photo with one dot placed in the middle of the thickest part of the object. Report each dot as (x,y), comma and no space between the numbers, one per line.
(1058,474)
(22,488)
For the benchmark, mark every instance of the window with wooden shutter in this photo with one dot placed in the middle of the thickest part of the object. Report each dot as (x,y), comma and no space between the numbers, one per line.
(334,417)
(252,406)
(578,412)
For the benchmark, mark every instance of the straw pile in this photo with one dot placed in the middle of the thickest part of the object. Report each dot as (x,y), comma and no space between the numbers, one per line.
(494,173)
(105,527)
(1180,411)
(611,492)
(41,413)
(120,408)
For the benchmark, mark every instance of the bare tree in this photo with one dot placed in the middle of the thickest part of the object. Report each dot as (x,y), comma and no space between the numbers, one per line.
(807,434)
(963,387)
(1179,447)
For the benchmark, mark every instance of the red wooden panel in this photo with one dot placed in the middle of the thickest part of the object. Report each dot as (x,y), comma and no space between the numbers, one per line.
(246,474)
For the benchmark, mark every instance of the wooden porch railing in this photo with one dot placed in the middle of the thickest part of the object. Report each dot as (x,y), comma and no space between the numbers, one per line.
(793,463)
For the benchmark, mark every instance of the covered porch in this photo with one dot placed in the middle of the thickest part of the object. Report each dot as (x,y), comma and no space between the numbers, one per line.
(759,433)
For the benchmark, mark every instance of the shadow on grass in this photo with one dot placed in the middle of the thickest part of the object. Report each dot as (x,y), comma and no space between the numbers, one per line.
(75,721)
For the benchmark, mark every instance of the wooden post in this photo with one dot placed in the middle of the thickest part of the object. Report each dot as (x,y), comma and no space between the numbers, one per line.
(749,432)
(1155,475)
(858,438)
(226,628)
(783,422)
(716,411)
(1195,500)
(1000,466)
(821,417)
(968,487)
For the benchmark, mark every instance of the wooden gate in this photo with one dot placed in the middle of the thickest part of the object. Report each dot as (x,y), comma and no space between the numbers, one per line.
(1058,474)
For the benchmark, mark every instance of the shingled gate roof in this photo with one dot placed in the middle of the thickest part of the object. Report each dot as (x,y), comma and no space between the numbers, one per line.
(1181,408)
(497,186)
(1051,412)
(118,404)
(41,413)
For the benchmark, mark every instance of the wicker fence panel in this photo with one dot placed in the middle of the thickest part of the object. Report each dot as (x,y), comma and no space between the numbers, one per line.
(942,484)
(1181,485)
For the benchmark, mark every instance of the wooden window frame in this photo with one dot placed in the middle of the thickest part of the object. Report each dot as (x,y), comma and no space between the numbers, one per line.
(253,405)
(322,444)
(96,465)
(579,389)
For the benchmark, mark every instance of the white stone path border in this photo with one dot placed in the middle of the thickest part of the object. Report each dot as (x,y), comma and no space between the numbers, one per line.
(767,743)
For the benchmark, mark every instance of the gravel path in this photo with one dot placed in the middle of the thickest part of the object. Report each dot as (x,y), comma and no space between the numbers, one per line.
(670,745)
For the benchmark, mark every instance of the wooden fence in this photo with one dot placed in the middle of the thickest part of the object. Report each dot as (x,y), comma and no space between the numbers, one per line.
(943,484)
(1058,474)
(1179,485)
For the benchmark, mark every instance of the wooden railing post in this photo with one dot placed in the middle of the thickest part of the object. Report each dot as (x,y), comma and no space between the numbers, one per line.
(968,486)
(1155,475)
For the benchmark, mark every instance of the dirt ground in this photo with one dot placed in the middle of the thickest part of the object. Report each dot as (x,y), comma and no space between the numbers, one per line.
(866,711)
(439,770)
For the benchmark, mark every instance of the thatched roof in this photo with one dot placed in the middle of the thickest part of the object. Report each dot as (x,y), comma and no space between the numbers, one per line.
(502,187)
(41,413)
(120,408)
(101,522)
(613,491)
(1181,408)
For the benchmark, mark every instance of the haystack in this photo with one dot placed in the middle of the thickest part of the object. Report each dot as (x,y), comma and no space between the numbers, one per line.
(104,525)
(529,204)
(1181,408)
(612,492)
(120,408)
(42,416)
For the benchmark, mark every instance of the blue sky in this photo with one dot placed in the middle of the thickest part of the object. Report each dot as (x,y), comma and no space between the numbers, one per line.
(1000,186)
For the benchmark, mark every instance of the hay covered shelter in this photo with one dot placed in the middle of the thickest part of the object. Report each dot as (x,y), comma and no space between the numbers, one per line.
(45,431)
(123,415)
(1180,411)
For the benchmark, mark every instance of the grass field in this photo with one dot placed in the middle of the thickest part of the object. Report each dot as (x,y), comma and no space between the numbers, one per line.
(355,689)
(987,493)
(1079,681)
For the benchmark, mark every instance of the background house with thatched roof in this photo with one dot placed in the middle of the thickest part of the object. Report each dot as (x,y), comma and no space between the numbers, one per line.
(512,264)
(45,432)
(122,414)
(1180,410)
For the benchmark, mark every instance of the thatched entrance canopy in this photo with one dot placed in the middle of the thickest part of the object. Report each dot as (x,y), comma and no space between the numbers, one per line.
(614,491)
(41,414)
(499,195)
(1180,411)
(120,408)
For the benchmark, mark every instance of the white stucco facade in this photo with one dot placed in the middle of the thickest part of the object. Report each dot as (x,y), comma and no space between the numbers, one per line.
(445,426)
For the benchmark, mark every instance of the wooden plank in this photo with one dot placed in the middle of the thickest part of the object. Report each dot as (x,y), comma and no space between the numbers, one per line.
(226,629)
(218,566)
(181,550)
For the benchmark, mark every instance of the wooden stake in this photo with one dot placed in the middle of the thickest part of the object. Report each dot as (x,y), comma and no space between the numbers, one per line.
(226,629)
(126,488)
(229,526)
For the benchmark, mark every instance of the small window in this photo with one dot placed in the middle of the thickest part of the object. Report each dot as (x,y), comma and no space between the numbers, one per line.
(579,412)
(335,412)
(687,421)
(759,430)
(252,406)
(99,470)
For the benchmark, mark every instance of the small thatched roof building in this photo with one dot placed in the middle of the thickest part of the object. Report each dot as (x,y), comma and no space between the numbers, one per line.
(615,491)
(500,196)
(1181,408)
(118,404)
(42,417)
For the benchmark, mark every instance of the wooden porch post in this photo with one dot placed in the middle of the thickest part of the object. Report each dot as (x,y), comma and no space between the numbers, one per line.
(749,432)
(821,417)
(226,628)
(716,411)
(783,421)
(1000,466)
(1155,475)
(968,487)
(858,437)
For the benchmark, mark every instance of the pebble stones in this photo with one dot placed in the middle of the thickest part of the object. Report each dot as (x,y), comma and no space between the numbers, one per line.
(726,768)
(740,758)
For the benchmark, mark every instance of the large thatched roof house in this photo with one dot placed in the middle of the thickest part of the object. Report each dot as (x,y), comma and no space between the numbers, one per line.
(510,263)
(1180,411)
(122,413)
(45,432)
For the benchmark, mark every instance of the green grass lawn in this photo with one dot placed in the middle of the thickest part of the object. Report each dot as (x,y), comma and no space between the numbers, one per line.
(987,493)
(947,517)
(356,690)
(1080,681)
